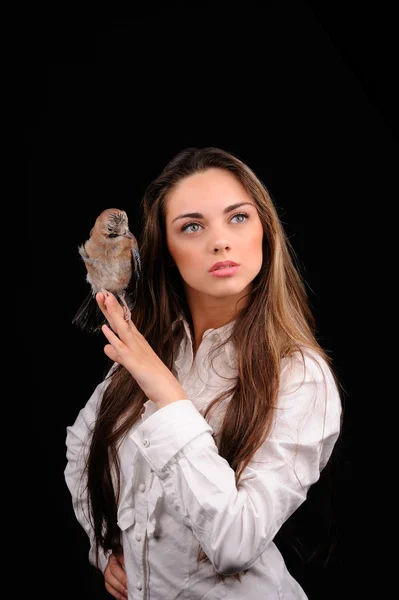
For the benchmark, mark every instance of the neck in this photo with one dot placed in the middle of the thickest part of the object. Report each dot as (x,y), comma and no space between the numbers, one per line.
(201,323)
(211,313)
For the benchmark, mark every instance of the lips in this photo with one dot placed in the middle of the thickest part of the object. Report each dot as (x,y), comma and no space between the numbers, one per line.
(223,264)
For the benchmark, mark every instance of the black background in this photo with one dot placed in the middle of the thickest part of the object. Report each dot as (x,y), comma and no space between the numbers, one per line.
(304,96)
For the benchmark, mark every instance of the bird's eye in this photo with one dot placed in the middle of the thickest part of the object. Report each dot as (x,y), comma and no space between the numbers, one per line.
(113,235)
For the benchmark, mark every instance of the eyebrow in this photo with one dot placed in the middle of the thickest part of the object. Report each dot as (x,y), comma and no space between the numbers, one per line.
(197,215)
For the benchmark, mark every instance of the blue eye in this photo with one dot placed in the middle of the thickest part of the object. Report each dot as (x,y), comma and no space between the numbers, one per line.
(187,225)
(241,215)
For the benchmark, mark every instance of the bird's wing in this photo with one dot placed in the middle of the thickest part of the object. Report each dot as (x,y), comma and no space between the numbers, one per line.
(131,292)
(86,257)
(136,262)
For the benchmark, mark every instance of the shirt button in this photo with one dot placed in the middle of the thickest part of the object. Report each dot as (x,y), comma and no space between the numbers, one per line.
(138,537)
(139,585)
(142,487)
(146,443)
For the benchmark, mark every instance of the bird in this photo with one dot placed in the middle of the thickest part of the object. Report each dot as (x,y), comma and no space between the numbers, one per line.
(112,259)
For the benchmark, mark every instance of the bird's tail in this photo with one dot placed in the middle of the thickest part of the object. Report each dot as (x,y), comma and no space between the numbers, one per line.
(89,316)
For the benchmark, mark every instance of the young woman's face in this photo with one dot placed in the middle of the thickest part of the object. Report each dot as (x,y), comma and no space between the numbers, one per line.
(196,243)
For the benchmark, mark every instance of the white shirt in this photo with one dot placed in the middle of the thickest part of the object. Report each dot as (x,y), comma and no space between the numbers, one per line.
(177,491)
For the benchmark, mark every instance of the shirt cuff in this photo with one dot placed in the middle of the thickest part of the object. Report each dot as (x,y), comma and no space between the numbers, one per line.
(166,432)
(103,558)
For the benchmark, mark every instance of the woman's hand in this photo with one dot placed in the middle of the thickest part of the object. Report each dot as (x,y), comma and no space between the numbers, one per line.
(127,346)
(115,576)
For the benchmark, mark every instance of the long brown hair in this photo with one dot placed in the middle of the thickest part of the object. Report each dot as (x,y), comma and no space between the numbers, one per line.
(276,322)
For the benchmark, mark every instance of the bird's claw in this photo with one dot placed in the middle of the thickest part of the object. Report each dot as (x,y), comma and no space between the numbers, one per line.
(127,316)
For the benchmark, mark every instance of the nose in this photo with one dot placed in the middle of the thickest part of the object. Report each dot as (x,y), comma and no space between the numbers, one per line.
(220,245)
(218,237)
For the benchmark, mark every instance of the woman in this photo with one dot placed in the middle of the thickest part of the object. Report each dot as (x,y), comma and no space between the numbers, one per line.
(221,408)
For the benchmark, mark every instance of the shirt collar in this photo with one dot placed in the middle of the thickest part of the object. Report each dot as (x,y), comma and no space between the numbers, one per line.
(185,354)
(220,333)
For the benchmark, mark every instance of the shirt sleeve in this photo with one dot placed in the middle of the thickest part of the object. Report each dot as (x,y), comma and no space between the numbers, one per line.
(234,524)
(77,443)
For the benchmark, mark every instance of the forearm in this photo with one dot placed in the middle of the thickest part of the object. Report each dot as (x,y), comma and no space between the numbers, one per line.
(167,391)
(233,526)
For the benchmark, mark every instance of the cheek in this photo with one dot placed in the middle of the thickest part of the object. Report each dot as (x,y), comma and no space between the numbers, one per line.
(174,248)
(256,243)
(184,255)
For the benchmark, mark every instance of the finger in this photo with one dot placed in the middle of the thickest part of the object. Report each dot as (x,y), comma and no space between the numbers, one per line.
(114,313)
(121,558)
(109,304)
(113,339)
(101,301)
(114,592)
(112,354)
(116,316)
(115,577)
(116,348)
(100,298)
(117,569)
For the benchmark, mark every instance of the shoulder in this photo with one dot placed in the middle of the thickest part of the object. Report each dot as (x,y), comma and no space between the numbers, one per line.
(307,383)
(305,366)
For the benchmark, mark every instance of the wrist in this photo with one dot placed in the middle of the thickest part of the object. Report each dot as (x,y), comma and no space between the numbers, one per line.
(170,394)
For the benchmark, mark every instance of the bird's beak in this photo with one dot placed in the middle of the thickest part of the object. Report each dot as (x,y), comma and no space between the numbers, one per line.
(129,235)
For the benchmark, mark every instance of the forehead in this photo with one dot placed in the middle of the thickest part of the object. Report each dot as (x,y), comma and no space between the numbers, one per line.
(213,188)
